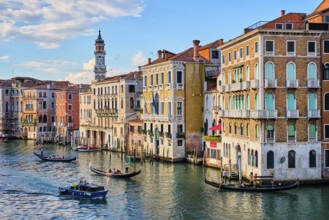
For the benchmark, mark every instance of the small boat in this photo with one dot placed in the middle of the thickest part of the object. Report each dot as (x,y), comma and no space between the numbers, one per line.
(84,190)
(114,174)
(254,188)
(54,158)
(87,148)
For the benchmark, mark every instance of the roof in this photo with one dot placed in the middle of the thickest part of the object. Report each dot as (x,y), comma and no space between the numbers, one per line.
(212,88)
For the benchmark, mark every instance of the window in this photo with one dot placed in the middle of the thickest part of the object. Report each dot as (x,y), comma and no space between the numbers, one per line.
(70,96)
(326,102)
(139,129)
(179,77)
(156,79)
(326,158)
(311,101)
(312,132)
(234,55)
(256,132)
(145,80)
(291,132)
(131,88)
(241,52)
(44,105)
(169,76)
(269,47)
(291,71)
(180,143)
(269,71)
(247,50)
(132,129)
(151,80)
(326,131)
(269,132)
(162,78)
(248,130)
(223,59)
(70,119)
(131,102)
(291,159)
(241,130)
(291,48)
(215,54)
(278,26)
(311,45)
(326,46)
(179,108)
(229,57)
(256,159)
(311,73)
(269,102)
(326,72)
(312,158)
(288,26)
(70,107)
(256,72)
(256,47)
(270,160)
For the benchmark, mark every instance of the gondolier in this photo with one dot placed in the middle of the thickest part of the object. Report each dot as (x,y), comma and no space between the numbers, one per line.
(126,167)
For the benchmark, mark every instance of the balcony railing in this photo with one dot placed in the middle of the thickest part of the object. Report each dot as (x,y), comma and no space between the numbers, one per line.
(179,85)
(313,83)
(313,113)
(245,85)
(264,114)
(221,113)
(180,135)
(292,83)
(270,83)
(254,84)
(221,89)
(292,113)
(236,86)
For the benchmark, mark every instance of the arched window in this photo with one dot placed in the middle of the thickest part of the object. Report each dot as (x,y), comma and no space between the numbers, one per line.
(312,132)
(230,128)
(44,105)
(256,158)
(256,72)
(241,129)
(235,128)
(311,101)
(247,74)
(312,158)
(269,132)
(7,107)
(326,102)
(269,105)
(270,160)
(40,119)
(248,130)
(45,119)
(249,157)
(291,132)
(248,103)
(291,101)
(311,74)
(291,71)
(252,158)
(157,104)
(256,132)
(269,71)
(291,159)
(326,72)
(256,101)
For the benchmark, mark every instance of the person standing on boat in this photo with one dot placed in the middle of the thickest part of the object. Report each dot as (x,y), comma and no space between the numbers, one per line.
(41,152)
(126,166)
(224,175)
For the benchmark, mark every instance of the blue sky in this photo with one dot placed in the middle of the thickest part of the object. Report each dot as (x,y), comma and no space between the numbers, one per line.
(54,39)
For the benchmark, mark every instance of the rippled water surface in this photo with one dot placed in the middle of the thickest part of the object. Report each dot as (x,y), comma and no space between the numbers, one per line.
(29,190)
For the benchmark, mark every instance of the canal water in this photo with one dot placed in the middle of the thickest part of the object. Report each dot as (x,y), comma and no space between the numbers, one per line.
(29,190)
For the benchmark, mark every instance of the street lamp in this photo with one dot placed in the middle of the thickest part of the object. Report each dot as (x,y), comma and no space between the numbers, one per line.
(239,161)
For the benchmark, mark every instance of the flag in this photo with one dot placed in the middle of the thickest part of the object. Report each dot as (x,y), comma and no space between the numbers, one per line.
(154,105)
(145,106)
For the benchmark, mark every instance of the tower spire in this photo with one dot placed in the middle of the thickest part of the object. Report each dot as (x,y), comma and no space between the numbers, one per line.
(100,68)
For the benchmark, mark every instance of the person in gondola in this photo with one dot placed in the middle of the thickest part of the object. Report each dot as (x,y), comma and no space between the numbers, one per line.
(126,167)
(110,171)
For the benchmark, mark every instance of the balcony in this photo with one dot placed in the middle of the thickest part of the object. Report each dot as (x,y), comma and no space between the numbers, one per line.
(221,89)
(221,113)
(264,114)
(292,83)
(106,112)
(160,87)
(292,113)
(313,113)
(270,83)
(228,88)
(168,86)
(180,135)
(313,83)
(245,85)
(180,86)
(254,84)
(236,87)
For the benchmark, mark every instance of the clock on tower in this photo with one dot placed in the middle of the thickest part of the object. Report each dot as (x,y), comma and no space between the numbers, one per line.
(100,68)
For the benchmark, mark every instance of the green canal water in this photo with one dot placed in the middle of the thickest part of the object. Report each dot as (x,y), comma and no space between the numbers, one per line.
(29,190)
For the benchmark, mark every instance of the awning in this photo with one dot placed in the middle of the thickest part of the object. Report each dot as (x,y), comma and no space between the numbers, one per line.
(216,127)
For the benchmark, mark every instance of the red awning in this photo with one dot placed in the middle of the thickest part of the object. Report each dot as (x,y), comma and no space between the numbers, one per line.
(216,127)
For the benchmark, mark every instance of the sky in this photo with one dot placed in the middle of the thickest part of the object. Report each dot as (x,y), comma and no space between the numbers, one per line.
(54,39)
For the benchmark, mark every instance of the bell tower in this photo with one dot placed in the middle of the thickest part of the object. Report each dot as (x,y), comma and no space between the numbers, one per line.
(100,68)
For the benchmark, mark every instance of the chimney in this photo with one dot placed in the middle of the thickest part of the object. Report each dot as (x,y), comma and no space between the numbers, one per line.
(159,54)
(165,55)
(220,42)
(283,12)
(149,60)
(196,50)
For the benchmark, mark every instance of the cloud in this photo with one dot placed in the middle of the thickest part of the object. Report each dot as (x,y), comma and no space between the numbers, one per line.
(46,66)
(89,65)
(82,77)
(138,59)
(44,21)
(4,59)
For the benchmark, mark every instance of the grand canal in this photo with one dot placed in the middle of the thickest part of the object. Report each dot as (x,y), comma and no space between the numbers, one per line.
(29,190)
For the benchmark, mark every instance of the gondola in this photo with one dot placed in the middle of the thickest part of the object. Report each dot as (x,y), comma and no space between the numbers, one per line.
(254,188)
(112,174)
(55,158)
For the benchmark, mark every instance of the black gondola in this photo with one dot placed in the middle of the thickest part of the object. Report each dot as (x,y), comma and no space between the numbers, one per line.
(55,158)
(113,174)
(254,188)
